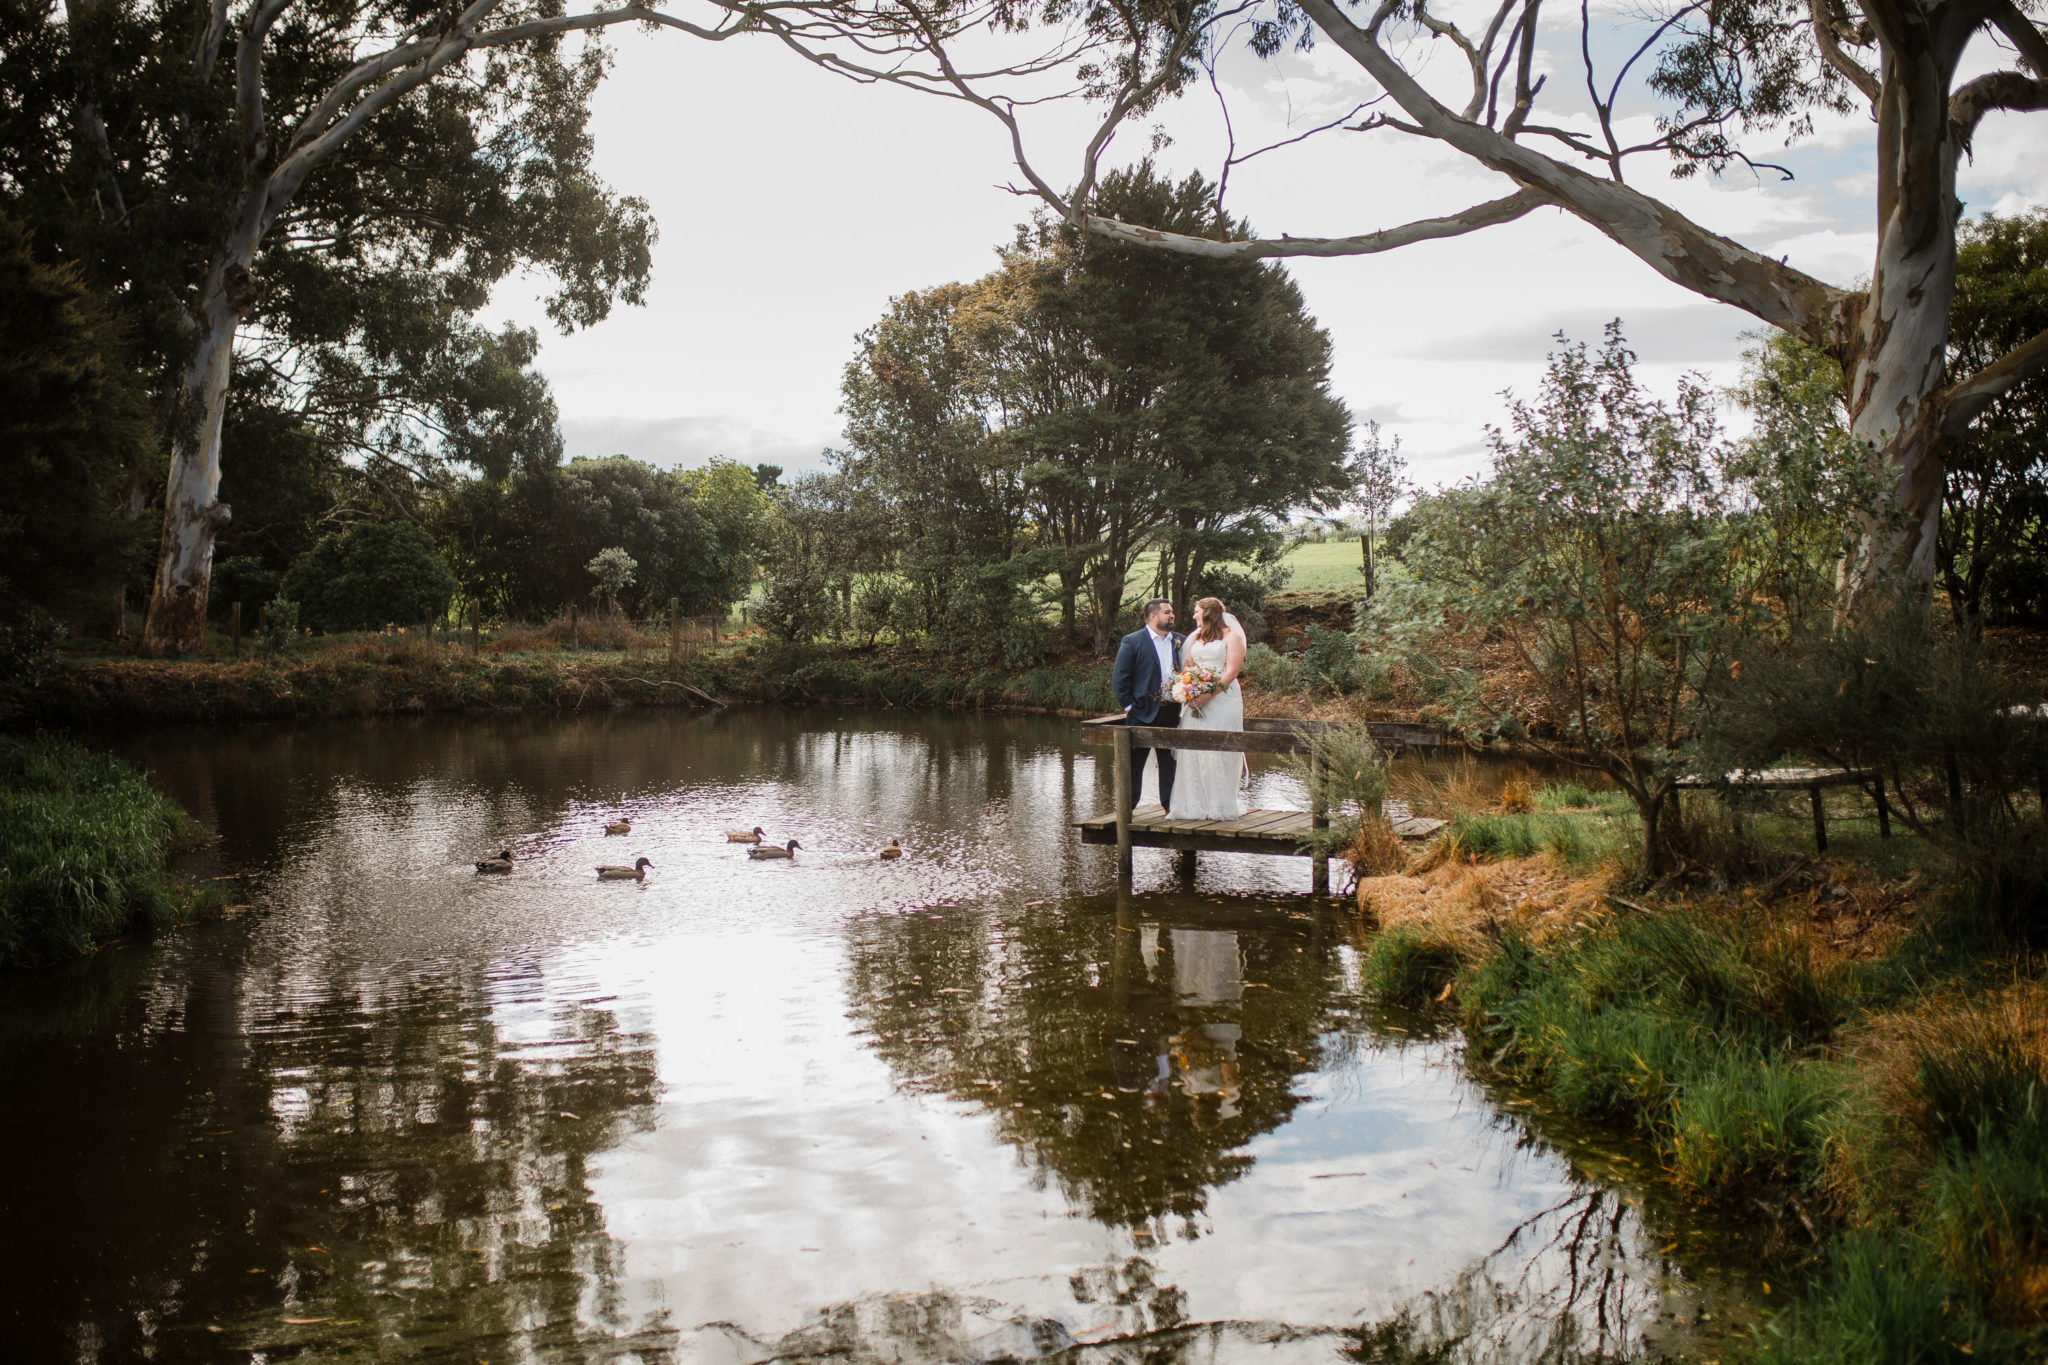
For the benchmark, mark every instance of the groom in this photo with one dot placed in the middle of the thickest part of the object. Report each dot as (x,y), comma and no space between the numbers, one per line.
(1144,661)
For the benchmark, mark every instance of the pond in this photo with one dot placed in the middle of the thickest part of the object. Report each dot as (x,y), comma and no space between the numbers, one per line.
(968,1106)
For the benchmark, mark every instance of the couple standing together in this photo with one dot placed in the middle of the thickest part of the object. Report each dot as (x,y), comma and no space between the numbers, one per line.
(1196,784)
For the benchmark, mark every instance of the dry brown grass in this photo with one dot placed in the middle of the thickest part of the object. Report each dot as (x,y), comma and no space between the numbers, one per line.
(1515,798)
(585,632)
(1463,904)
(1375,849)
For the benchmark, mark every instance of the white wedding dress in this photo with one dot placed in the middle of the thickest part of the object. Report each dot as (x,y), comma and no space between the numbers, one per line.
(1205,785)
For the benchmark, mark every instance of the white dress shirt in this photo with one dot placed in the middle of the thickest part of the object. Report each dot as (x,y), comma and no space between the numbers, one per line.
(1162,645)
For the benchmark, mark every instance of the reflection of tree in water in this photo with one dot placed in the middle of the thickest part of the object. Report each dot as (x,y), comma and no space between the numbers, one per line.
(387,1165)
(1131,1060)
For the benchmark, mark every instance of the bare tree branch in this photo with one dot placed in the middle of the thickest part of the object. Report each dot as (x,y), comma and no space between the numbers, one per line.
(1824,14)
(1961,403)
(1427,229)
(2025,35)
(2007,90)
(1660,236)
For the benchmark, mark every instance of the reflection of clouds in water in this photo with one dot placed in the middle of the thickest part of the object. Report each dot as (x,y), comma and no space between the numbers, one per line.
(563,1116)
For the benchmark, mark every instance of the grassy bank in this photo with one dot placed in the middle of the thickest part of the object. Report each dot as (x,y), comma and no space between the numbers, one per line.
(83,844)
(1861,1059)
(398,674)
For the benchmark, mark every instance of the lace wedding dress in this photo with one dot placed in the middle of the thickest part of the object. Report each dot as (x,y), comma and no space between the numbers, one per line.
(1205,787)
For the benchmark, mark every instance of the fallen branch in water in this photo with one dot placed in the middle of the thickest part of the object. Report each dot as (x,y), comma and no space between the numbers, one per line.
(693,691)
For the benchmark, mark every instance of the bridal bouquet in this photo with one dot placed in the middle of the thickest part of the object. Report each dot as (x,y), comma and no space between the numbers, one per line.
(1193,682)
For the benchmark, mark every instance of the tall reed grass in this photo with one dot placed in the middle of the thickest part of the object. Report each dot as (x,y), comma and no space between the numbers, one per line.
(83,839)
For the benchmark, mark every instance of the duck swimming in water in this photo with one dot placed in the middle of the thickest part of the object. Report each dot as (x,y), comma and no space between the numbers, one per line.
(893,851)
(501,863)
(771,851)
(619,827)
(745,836)
(636,873)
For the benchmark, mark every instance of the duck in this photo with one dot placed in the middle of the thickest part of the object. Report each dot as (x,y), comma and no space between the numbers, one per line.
(771,851)
(893,851)
(619,827)
(501,863)
(745,836)
(636,873)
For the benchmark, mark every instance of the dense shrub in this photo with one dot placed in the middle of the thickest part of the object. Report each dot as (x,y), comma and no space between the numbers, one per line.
(82,859)
(369,576)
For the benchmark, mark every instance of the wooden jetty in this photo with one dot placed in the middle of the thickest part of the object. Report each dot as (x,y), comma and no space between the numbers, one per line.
(1280,833)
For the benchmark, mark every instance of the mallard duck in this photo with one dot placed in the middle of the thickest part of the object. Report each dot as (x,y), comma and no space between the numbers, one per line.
(894,850)
(746,836)
(501,863)
(619,827)
(636,873)
(771,851)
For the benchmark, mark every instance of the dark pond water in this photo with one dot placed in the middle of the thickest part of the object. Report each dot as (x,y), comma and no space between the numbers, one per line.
(966,1107)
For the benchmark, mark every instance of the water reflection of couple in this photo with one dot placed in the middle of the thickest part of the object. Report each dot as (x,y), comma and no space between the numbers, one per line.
(1194,784)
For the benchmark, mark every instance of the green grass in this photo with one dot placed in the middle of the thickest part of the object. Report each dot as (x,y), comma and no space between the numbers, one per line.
(1335,566)
(1573,840)
(82,853)
(1717,1036)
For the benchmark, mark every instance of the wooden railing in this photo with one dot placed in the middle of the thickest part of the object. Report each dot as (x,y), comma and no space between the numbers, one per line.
(1261,735)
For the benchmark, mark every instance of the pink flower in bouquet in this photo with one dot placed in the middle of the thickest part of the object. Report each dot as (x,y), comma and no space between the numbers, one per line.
(1192,683)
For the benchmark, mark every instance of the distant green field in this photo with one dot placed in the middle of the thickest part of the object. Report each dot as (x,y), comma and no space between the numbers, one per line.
(1333,566)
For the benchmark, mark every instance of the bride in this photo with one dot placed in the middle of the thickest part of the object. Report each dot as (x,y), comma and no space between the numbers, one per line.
(1206,787)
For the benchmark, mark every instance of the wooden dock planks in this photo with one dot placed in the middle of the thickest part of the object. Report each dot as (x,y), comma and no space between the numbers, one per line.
(1255,831)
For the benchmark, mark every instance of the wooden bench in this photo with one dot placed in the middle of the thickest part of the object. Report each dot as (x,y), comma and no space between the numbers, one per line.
(1812,780)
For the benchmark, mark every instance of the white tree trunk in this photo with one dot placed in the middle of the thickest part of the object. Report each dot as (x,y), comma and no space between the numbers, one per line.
(193,513)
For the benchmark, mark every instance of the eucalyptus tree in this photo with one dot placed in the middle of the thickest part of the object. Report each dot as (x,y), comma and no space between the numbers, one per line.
(254,178)
(1721,72)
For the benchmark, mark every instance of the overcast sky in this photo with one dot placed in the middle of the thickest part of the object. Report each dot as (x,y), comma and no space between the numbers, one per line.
(792,205)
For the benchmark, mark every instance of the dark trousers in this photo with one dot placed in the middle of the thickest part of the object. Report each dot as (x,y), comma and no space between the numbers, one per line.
(1169,716)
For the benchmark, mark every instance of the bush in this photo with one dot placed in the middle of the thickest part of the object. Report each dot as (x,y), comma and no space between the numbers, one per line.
(1345,773)
(1563,796)
(1494,838)
(83,859)
(1271,671)
(1405,967)
(1330,659)
(280,625)
(370,576)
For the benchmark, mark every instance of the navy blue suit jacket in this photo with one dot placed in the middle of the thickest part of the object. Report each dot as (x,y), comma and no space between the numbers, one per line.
(1136,680)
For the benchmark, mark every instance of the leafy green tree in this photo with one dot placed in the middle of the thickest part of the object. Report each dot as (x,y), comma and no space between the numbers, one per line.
(1699,90)
(613,569)
(1993,550)
(326,191)
(923,441)
(1379,479)
(371,575)
(1609,547)
(1164,400)
(797,605)
(75,434)
(1800,467)
(735,511)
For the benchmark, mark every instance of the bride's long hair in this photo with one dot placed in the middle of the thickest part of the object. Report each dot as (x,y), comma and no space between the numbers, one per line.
(1213,624)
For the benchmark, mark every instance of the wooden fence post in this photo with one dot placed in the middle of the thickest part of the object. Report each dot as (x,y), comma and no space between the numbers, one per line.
(574,641)
(1122,765)
(476,631)
(675,630)
(235,631)
(1318,821)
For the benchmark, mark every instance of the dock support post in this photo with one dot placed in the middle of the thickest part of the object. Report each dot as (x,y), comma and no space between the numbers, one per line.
(1123,808)
(1318,820)
(1186,867)
(1820,822)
